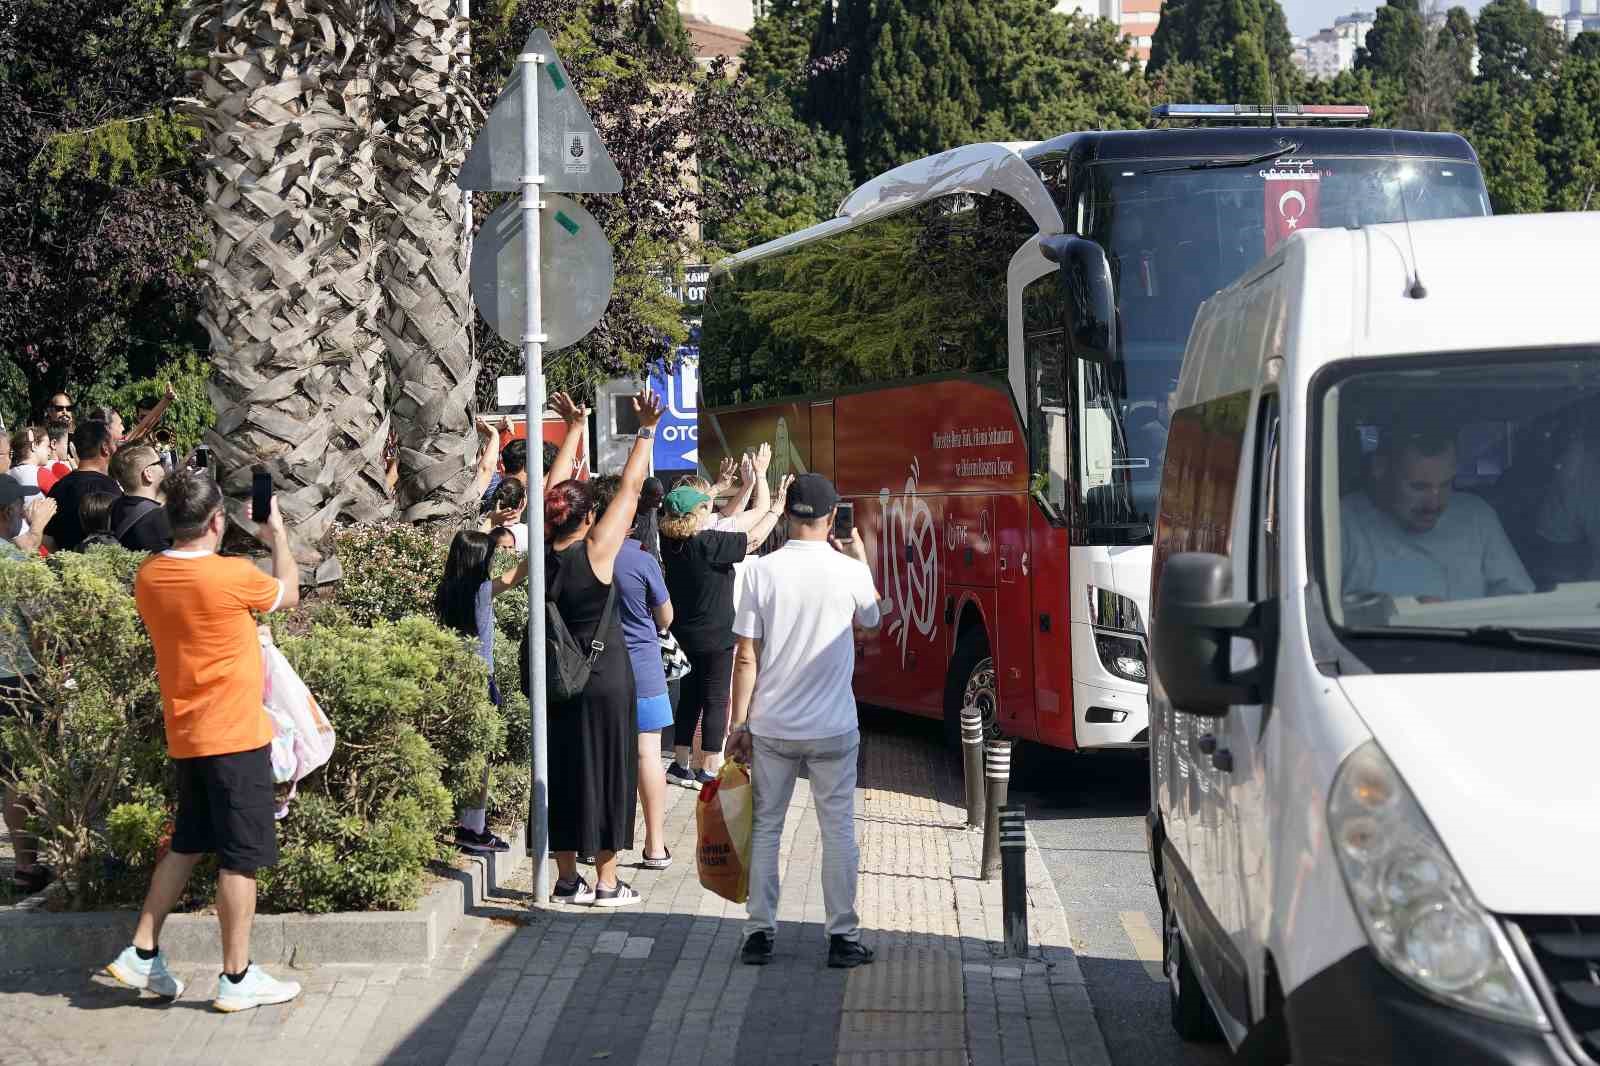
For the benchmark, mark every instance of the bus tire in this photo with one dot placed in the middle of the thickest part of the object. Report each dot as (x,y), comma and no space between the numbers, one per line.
(971,670)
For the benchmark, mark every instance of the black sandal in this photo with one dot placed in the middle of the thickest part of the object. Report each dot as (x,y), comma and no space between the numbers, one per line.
(33,882)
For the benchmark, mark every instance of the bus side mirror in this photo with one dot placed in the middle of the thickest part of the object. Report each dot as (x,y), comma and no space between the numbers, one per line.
(1089,296)
(1195,623)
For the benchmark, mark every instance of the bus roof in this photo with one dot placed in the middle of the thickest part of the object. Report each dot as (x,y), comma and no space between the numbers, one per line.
(1226,142)
(1013,168)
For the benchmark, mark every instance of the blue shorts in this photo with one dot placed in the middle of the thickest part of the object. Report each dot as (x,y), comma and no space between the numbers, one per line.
(655,712)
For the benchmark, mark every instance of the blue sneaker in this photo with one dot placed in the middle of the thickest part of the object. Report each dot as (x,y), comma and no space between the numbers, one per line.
(131,970)
(257,989)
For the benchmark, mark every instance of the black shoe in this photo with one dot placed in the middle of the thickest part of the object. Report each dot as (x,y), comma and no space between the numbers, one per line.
(757,949)
(479,843)
(682,777)
(847,954)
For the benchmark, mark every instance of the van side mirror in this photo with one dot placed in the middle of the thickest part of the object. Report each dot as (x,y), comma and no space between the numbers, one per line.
(1090,298)
(1195,621)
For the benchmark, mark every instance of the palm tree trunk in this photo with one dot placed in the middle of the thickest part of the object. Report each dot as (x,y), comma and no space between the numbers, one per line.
(293,302)
(425,105)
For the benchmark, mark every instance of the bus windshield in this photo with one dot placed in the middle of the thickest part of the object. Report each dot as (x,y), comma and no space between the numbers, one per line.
(1178,230)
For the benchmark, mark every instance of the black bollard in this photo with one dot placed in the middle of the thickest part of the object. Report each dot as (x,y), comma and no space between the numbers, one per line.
(1014,879)
(997,772)
(972,763)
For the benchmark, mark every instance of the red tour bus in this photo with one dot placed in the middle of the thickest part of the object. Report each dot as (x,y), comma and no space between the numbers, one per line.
(979,350)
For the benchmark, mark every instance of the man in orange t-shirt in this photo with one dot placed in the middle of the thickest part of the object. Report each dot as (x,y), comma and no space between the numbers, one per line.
(199,609)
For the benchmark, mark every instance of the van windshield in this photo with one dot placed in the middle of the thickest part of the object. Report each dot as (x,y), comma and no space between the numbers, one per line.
(1460,495)
(1176,235)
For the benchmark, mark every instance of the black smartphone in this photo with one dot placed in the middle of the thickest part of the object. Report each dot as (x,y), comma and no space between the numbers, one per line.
(201,459)
(844,521)
(260,493)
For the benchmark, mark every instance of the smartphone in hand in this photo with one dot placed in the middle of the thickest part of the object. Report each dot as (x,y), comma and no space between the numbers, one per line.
(844,522)
(260,493)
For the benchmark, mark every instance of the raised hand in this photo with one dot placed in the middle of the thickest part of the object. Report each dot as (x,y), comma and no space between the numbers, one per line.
(780,501)
(40,511)
(747,470)
(571,413)
(647,405)
(727,471)
(763,460)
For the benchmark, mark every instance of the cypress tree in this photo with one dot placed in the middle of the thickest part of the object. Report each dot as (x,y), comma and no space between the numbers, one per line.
(1240,47)
(901,79)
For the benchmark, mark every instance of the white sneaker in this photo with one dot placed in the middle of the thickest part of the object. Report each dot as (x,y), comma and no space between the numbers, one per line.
(131,970)
(257,989)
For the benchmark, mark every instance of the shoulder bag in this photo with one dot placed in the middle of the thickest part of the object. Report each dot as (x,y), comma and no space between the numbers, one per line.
(568,665)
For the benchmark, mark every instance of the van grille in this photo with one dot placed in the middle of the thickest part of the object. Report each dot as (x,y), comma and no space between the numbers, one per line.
(1567,954)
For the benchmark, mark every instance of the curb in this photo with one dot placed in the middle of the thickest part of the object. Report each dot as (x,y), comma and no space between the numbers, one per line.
(31,939)
(1047,987)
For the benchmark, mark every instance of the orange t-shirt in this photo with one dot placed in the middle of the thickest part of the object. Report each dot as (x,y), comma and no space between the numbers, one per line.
(197,607)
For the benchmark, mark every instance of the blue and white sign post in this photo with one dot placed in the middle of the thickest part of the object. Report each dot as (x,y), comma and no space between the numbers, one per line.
(677,447)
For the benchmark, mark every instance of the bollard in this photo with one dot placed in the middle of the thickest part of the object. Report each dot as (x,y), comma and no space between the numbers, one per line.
(972,763)
(1014,879)
(997,771)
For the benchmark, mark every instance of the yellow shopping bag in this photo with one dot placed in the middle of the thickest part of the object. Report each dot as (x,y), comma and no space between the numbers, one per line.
(723,816)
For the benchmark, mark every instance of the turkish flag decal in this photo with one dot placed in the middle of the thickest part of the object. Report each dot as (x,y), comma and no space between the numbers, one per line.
(1291,205)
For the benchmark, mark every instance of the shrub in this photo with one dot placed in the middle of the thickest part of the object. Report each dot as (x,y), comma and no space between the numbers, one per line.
(96,734)
(374,682)
(389,571)
(408,699)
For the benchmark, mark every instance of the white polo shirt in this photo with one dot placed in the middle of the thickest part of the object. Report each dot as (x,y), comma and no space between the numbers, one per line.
(801,603)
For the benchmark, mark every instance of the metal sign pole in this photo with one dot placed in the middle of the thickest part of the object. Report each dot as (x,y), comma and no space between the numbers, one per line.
(533,358)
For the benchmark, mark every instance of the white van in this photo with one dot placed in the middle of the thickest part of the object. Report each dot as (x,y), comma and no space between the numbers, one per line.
(1375,704)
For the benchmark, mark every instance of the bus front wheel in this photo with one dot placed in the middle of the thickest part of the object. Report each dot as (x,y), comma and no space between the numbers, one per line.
(971,683)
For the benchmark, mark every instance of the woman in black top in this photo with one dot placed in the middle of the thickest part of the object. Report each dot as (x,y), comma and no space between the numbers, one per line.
(699,561)
(593,739)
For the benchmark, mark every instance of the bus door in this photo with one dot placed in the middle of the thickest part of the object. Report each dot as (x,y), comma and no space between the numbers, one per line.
(1039,332)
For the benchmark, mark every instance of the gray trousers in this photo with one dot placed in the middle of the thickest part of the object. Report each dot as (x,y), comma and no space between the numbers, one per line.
(831,765)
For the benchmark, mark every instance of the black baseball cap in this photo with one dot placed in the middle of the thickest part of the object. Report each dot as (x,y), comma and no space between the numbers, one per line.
(811,496)
(12,490)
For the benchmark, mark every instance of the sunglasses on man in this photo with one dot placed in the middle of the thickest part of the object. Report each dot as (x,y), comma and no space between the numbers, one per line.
(61,407)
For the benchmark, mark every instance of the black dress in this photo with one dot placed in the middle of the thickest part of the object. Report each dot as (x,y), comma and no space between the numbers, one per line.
(594,740)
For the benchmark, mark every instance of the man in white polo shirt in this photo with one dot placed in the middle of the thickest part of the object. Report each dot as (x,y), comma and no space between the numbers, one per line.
(793,707)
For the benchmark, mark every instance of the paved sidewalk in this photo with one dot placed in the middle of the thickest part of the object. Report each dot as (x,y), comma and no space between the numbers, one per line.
(660,982)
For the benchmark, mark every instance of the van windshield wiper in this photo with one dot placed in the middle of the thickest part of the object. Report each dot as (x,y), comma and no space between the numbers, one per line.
(1493,636)
(1225,164)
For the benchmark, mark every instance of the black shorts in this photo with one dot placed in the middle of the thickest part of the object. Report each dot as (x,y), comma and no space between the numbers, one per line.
(225,805)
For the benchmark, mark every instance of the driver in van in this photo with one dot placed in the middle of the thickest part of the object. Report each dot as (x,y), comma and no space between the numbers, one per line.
(1411,534)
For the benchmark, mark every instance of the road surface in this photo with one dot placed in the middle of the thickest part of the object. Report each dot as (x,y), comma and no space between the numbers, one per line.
(1087,813)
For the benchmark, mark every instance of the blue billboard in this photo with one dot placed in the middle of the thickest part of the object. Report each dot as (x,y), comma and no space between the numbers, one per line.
(678,436)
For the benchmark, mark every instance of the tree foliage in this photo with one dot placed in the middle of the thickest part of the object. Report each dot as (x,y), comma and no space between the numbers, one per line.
(100,215)
(1517,48)
(901,79)
(662,117)
(1239,49)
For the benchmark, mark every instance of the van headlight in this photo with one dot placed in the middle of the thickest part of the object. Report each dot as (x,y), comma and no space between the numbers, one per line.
(1420,917)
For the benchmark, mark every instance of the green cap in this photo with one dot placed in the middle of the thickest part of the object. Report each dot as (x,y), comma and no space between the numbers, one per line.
(684,499)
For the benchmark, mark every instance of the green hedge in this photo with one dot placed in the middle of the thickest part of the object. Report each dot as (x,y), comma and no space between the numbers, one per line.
(408,699)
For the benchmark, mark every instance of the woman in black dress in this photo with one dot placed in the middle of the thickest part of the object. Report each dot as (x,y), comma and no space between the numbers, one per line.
(594,739)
